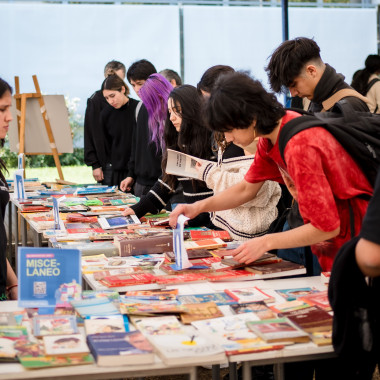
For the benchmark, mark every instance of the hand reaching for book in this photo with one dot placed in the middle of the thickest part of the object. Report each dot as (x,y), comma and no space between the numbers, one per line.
(126,184)
(128,211)
(189,210)
(250,250)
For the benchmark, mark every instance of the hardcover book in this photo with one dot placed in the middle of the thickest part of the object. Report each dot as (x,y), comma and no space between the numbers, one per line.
(120,348)
(310,319)
(48,276)
(278,330)
(143,245)
(54,325)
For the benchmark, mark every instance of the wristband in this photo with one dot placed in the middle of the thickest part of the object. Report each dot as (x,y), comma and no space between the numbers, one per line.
(11,286)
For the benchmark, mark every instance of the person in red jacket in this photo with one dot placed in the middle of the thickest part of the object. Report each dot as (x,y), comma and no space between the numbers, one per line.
(319,173)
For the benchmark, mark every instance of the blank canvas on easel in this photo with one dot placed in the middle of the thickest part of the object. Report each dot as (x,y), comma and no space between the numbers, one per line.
(36,138)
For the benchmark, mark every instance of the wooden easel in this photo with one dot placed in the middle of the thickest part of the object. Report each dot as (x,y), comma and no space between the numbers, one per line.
(21,118)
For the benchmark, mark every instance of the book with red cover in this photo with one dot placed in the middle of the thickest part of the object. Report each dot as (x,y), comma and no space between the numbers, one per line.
(230,275)
(180,278)
(78,218)
(318,299)
(310,319)
(209,234)
(143,245)
(128,279)
(205,244)
(83,230)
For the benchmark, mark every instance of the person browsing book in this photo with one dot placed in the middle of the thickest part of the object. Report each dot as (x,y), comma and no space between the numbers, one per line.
(319,173)
(8,279)
(183,131)
(118,121)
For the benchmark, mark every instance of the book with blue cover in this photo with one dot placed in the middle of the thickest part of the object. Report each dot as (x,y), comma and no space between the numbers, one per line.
(48,277)
(120,348)
(218,298)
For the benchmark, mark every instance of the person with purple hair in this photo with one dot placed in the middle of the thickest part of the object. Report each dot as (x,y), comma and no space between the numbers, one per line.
(183,131)
(145,164)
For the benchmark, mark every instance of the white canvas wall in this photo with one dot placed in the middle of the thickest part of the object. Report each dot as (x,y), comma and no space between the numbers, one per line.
(67,45)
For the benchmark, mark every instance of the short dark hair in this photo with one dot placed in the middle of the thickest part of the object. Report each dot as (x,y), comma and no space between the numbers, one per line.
(210,76)
(114,83)
(237,100)
(170,75)
(114,66)
(288,60)
(140,70)
(4,87)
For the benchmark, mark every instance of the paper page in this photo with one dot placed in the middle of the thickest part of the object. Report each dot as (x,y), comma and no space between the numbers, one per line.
(181,258)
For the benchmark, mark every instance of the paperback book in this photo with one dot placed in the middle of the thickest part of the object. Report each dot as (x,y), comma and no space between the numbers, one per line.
(200,311)
(120,348)
(294,293)
(104,324)
(259,308)
(54,325)
(251,294)
(218,298)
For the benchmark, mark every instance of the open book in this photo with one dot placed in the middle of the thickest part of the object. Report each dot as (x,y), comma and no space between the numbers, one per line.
(182,164)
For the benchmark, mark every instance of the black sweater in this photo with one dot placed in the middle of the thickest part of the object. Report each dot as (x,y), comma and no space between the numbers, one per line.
(145,161)
(329,84)
(94,141)
(119,125)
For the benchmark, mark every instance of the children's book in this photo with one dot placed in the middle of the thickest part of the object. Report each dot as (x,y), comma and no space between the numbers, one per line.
(148,307)
(120,348)
(294,293)
(251,294)
(48,276)
(278,330)
(104,324)
(218,298)
(155,294)
(288,306)
(54,325)
(233,335)
(200,311)
(31,355)
(10,337)
(159,325)
(259,308)
(60,345)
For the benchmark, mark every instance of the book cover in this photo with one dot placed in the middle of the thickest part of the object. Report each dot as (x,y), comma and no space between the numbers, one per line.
(48,276)
(127,279)
(54,325)
(148,307)
(182,164)
(310,319)
(233,335)
(192,254)
(251,294)
(230,275)
(278,330)
(155,294)
(118,348)
(143,245)
(288,306)
(31,356)
(104,324)
(210,234)
(205,244)
(276,267)
(200,311)
(159,325)
(320,299)
(322,338)
(60,345)
(293,293)
(9,336)
(180,278)
(95,306)
(259,308)
(218,298)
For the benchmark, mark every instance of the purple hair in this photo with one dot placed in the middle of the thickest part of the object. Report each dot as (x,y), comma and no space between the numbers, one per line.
(154,94)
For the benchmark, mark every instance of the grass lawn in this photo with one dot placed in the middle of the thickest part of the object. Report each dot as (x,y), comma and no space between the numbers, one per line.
(77,174)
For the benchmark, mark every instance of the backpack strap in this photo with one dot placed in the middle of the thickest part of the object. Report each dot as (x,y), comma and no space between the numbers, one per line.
(137,110)
(339,95)
(295,126)
(370,84)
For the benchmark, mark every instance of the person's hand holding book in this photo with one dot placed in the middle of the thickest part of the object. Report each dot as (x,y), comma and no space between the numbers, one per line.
(128,211)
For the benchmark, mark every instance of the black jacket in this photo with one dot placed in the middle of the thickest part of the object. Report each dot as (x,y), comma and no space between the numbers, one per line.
(329,84)
(94,141)
(145,160)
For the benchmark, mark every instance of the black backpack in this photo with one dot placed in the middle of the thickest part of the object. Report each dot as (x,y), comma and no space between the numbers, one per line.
(357,132)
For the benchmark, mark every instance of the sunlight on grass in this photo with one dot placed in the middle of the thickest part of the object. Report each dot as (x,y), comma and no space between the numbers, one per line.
(77,174)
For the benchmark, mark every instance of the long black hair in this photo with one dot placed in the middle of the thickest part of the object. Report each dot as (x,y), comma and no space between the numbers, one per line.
(193,138)
(4,88)
(361,77)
